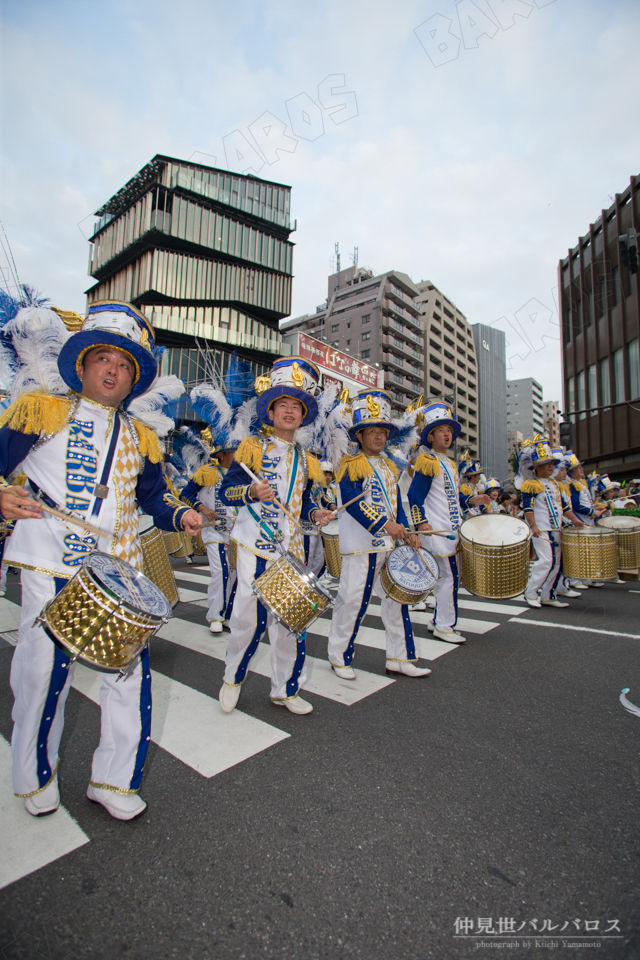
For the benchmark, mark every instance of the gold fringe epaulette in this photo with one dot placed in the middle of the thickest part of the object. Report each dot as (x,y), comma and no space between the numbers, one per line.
(466,489)
(149,443)
(429,466)
(207,476)
(250,453)
(578,485)
(38,412)
(565,487)
(392,467)
(357,466)
(532,486)
(315,470)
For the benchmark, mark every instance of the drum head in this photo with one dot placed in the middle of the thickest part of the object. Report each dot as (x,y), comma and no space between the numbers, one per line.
(127,584)
(331,528)
(495,530)
(619,523)
(412,569)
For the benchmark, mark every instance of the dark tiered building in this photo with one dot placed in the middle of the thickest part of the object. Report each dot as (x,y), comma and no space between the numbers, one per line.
(206,255)
(600,334)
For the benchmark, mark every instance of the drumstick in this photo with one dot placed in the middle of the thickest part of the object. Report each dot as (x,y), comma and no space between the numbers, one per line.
(349,502)
(438,533)
(275,499)
(96,531)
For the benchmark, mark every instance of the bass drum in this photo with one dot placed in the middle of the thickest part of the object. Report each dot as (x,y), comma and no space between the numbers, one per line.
(494,549)
(589,553)
(628,539)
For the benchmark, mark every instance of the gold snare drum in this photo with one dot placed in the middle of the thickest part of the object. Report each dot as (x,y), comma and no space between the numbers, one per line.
(156,564)
(106,614)
(589,553)
(408,576)
(172,541)
(331,543)
(494,549)
(292,594)
(186,546)
(627,538)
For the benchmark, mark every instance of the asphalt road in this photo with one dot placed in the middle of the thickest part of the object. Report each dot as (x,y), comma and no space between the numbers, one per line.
(499,794)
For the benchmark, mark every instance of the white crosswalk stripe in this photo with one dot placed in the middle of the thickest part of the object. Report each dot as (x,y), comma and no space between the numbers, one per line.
(30,843)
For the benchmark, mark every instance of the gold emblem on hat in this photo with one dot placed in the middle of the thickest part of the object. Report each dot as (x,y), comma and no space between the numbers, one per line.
(373,407)
(262,384)
(297,376)
(541,451)
(344,395)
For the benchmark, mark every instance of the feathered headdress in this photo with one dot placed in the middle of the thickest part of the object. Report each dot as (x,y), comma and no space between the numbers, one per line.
(221,409)
(406,441)
(154,406)
(189,452)
(31,337)
(311,436)
(335,439)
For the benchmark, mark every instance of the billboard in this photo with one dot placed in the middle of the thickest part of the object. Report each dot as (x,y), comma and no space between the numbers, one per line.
(337,365)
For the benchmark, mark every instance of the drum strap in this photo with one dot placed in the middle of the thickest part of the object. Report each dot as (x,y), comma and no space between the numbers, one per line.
(106,470)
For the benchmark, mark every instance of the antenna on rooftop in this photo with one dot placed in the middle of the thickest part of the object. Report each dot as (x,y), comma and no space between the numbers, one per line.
(354,257)
(337,249)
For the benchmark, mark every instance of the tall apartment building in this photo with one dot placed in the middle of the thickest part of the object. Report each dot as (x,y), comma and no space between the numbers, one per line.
(524,407)
(600,311)
(450,363)
(375,319)
(551,418)
(205,254)
(491,354)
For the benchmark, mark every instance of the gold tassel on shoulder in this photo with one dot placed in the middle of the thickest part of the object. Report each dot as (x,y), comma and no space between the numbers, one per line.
(149,443)
(38,412)
(532,486)
(357,466)
(392,467)
(466,489)
(315,470)
(429,466)
(578,485)
(207,476)
(250,453)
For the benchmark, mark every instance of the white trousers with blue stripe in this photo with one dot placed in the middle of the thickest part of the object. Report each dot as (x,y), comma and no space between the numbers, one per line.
(249,620)
(41,680)
(445,615)
(547,569)
(359,573)
(222,580)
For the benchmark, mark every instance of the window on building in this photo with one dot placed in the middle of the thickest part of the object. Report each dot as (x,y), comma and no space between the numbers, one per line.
(366,318)
(571,397)
(349,325)
(615,283)
(366,335)
(618,376)
(634,370)
(605,384)
(365,354)
(398,378)
(592,380)
(335,327)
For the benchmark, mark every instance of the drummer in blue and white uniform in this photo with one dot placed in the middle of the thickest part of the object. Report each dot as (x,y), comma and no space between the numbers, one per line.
(201,493)
(544,508)
(582,505)
(436,504)
(313,546)
(286,402)
(473,498)
(81,452)
(368,529)
(493,490)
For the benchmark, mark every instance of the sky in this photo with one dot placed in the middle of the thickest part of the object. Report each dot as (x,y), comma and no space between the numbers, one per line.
(468,143)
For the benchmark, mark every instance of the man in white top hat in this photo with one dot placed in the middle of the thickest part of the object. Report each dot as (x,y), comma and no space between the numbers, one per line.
(81,452)
(368,529)
(435,501)
(286,402)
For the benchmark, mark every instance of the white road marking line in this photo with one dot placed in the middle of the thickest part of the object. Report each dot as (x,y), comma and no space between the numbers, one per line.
(9,615)
(321,679)
(222,740)
(30,843)
(426,647)
(464,625)
(578,629)
(186,596)
(200,578)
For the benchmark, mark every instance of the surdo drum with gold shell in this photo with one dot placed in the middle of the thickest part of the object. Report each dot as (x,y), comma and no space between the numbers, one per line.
(106,614)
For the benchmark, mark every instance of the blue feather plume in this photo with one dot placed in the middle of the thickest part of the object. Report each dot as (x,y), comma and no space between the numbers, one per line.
(239,381)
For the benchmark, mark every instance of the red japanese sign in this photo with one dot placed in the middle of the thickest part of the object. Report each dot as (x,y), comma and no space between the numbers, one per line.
(328,381)
(332,359)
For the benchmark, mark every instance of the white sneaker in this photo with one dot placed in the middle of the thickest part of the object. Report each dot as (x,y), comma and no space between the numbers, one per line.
(2,592)
(431,626)
(451,636)
(532,601)
(552,603)
(229,696)
(121,806)
(597,583)
(580,586)
(345,673)
(295,705)
(45,802)
(418,607)
(215,626)
(568,593)
(406,668)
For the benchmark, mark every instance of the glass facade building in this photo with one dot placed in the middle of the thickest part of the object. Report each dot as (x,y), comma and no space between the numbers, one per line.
(491,353)
(600,316)
(205,254)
